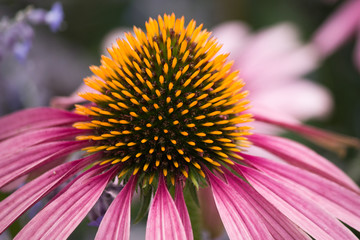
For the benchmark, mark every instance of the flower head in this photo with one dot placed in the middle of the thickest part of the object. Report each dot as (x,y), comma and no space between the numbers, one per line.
(178,109)
(167,112)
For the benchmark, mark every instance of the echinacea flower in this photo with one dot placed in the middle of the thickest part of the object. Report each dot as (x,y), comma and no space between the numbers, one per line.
(168,113)
(343,24)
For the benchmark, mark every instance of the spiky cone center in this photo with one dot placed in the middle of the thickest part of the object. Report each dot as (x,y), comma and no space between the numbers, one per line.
(167,103)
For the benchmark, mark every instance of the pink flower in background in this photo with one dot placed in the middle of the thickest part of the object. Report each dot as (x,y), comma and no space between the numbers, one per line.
(274,64)
(167,112)
(339,28)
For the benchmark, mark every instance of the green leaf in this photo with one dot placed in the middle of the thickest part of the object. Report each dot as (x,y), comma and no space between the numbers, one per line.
(192,192)
(194,211)
(146,194)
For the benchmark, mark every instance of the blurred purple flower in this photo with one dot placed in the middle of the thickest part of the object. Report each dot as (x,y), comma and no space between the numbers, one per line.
(53,18)
(97,213)
(21,49)
(16,35)
(338,28)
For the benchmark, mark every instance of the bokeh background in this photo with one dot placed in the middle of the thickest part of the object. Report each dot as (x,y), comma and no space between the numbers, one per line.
(57,62)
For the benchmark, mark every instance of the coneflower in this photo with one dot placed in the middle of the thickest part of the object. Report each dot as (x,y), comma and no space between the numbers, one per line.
(168,112)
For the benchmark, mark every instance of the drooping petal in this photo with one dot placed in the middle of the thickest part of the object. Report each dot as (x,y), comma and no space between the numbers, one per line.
(35,118)
(164,221)
(22,199)
(294,204)
(264,108)
(116,222)
(58,219)
(278,224)
(286,50)
(239,218)
(333,141)
(301,156)
(304,100)
(282,37)
(20,142)
(338,28)
(287,67)
(34,157)
(183,212)
(340,202)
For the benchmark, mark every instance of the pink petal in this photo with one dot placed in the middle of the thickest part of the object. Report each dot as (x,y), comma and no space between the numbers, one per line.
(301,156)
(35,118)
(20,142)
(262,108)
(282,38)
(239,218)
(22,199)
(278,225)
(298,207)
(333,141)
(286,60)
(116,222)
(35,157)
(304,100)
(233,36)
(338,201)
(288,66)
(58,219)
(338,28)
(164,221)
(183,212)
(93,171)
(281,70)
